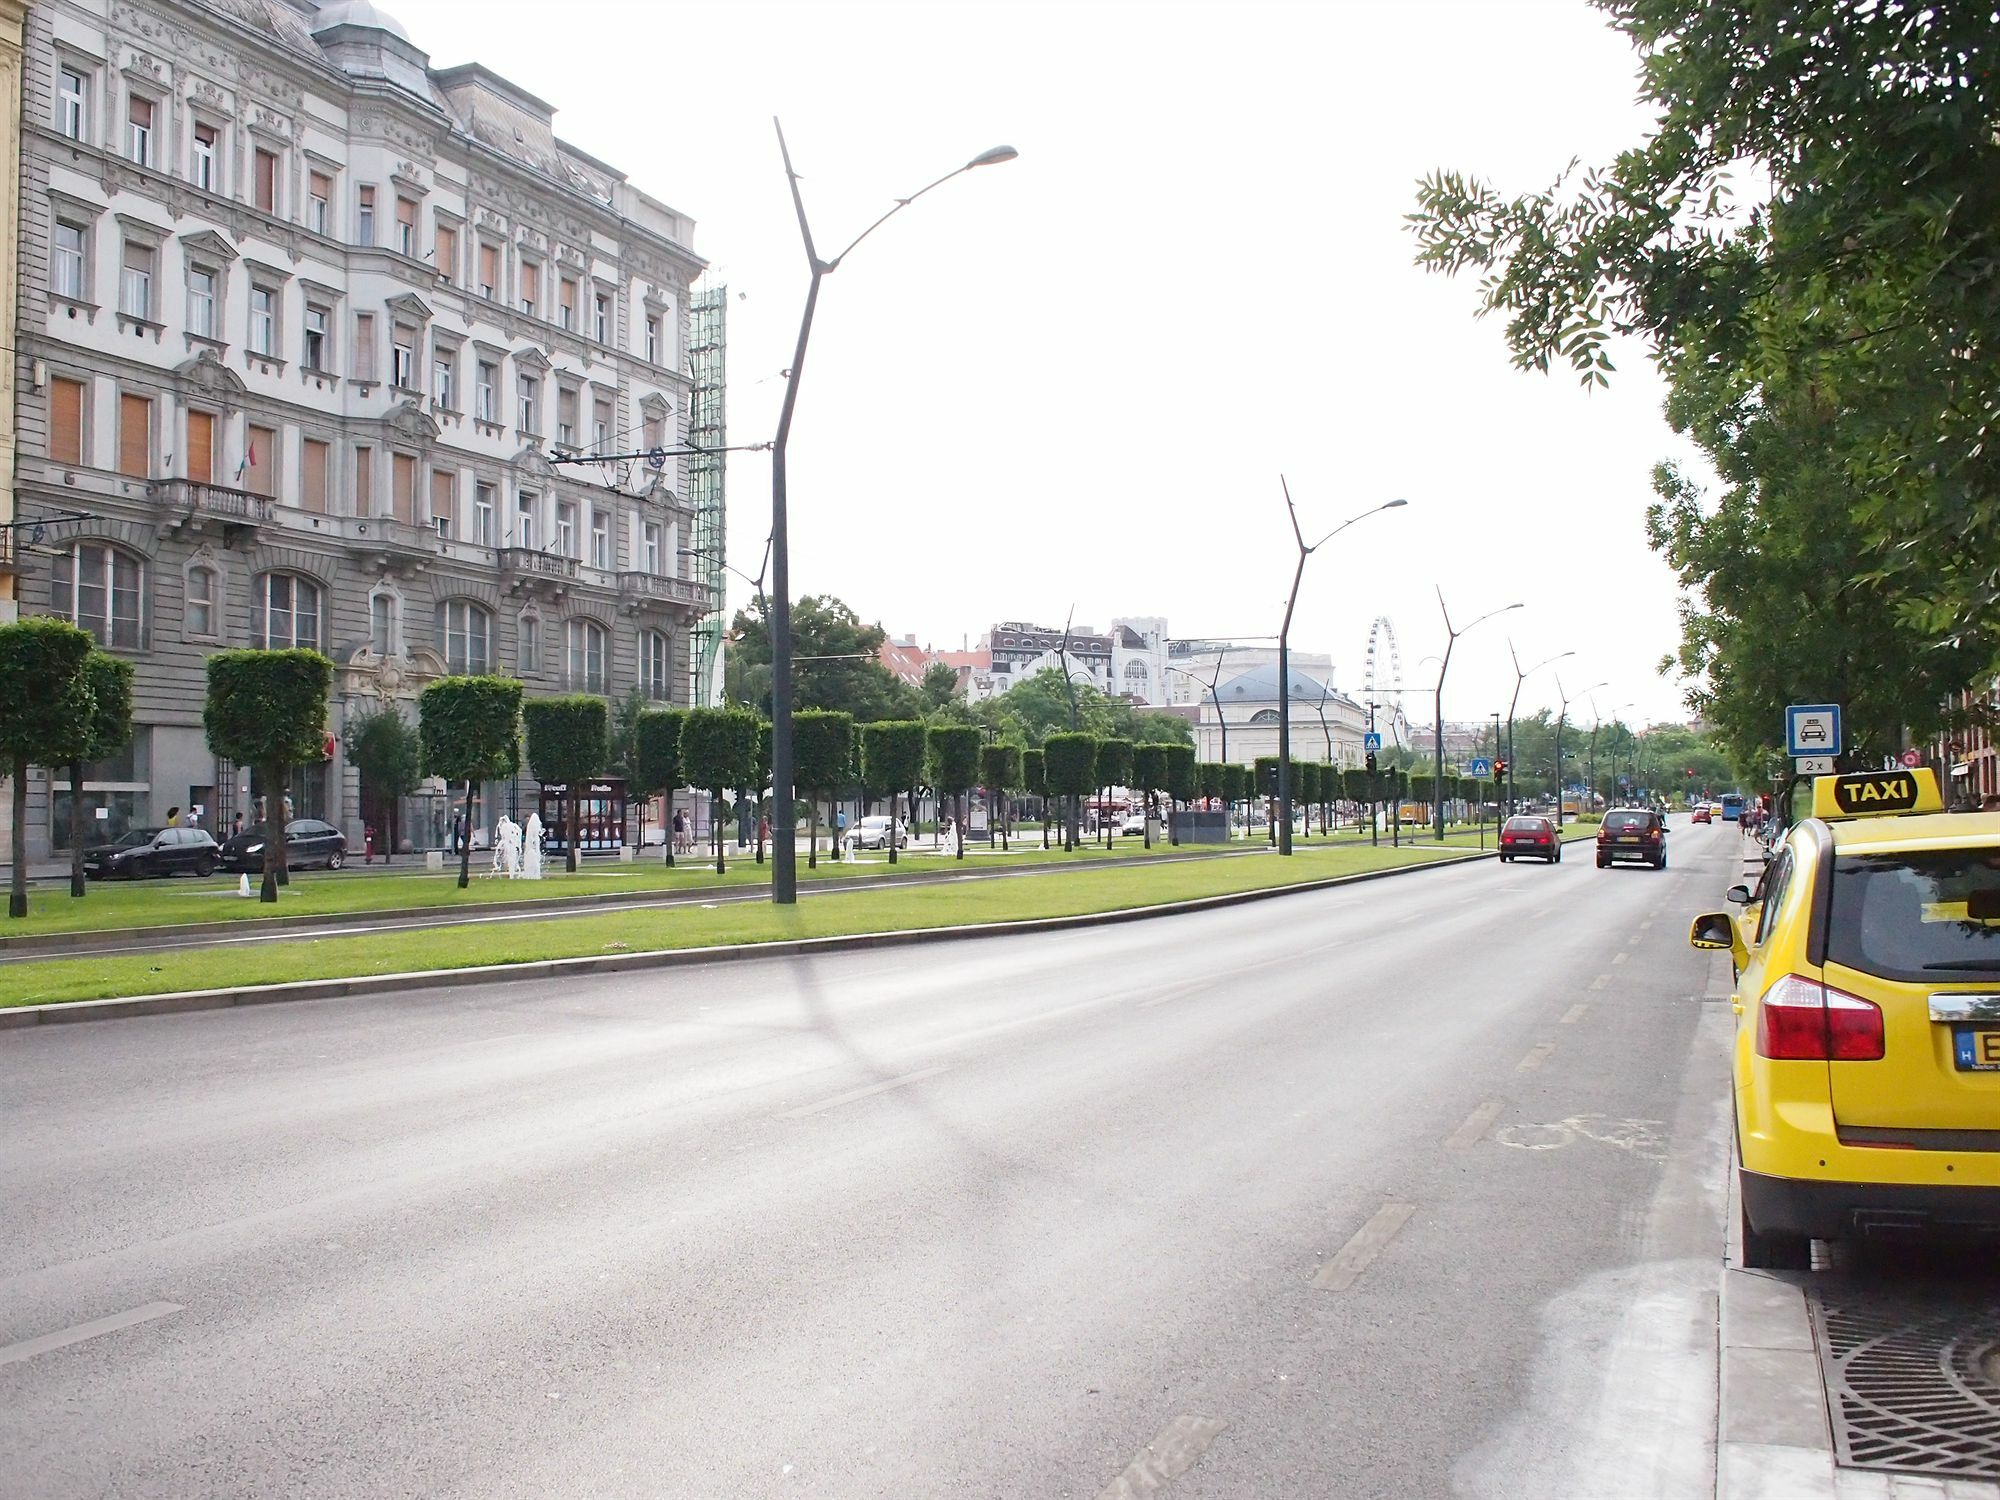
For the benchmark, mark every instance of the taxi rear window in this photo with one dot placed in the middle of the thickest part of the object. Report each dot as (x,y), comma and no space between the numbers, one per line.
(1931,915)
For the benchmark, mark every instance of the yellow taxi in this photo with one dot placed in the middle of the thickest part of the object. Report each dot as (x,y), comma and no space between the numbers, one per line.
(1867,1055)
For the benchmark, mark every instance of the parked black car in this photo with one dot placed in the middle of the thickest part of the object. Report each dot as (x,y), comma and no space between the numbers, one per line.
(308,841)
(153,851)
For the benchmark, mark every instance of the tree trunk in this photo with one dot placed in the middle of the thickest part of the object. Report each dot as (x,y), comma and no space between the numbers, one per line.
(465,841)
(274,831)
(961,802)
(17,885)
(667,834)
(569,827)
(715,827)
(75,826)
(892,828)
(1006,847)
(812,833)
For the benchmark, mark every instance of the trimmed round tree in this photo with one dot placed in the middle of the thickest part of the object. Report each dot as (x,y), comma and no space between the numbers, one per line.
(718,751)
(1069,770)
(268,709)
(656,762)
(106,731)
(1114,768)
(44,715)
(1149,777)
(999,773)
(1305,789)
(1182,786)
(389,755)
(469,730)
(951,760)
(1265,770)
(1211,778)
(1242,787)
(822,763)
(569,740)
(1034,783)
(892,761)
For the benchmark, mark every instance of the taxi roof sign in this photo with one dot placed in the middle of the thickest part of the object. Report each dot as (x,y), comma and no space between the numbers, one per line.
(1868,794)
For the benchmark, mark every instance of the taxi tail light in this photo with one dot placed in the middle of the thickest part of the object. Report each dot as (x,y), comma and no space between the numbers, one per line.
(1804,1020)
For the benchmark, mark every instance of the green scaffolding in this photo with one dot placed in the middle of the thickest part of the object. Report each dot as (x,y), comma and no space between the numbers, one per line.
(707,433)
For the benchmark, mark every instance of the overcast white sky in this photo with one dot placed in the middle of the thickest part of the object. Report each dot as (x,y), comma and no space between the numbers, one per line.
(1075,379)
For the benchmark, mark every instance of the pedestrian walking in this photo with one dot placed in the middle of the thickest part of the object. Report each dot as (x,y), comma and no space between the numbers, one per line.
(173,817)
(839,830)
(680,832)
(236,825)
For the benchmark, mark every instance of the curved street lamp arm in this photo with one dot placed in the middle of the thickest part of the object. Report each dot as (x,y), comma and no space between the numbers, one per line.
(799,204)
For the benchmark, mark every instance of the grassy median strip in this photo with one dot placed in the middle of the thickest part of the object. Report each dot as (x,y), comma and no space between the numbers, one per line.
(1075,892)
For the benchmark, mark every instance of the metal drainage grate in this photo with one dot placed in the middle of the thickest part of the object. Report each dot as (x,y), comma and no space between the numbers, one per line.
(1912,1384)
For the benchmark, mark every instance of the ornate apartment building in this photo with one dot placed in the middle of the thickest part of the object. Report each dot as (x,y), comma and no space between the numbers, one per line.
(306,329)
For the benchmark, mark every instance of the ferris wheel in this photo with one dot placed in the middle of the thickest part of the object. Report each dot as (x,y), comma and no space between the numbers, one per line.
(1386,691)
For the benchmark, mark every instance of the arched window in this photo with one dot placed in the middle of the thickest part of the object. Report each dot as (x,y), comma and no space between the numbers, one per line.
(1264,716)
(465,636)
(655,663)
(1136,678)
(586,656)
(288,612)
(99,588)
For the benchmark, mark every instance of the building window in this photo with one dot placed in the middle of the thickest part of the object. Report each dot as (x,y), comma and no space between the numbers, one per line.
(444,499)
(99,588)
(139,130)
(530,391)
(445,251)
(135,436)
(600,424)
(649,547)
(483,398)
(266,167)
(201,302)
(72,102)
(655,655)
(199,445)
(654,430)
(319,203)
(66,420)
(465,633)
(482,515)
(135,285)
(566,303)
(198,610)
(600,539)
(260,461)
(586,656)
(566,533)
(263,320)
(205,137)
(403,358)
(66,263)
(364,346)
(364,480)
(444,364)
(652,339)
(530,645)
(600,318)
(403,487)
(314,460)
(566,416)
(531,286)
(489,271)
(364,217)
(288,612)
(316,323)
(406,227)
(524,520)
(382,624)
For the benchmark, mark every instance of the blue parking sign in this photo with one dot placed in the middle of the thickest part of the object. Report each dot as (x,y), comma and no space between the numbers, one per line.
(1812,729)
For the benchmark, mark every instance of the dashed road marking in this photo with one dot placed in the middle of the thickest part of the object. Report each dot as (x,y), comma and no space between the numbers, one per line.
(1575,1013)
(1177,1449)
(1537,1055)
(1600,981)
(63,1337)
(1618,958)
(1369,1241)
(853,1094)
(1475,1125)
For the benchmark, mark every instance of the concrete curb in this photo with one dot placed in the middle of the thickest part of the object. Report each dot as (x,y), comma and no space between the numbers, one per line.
(21,1017)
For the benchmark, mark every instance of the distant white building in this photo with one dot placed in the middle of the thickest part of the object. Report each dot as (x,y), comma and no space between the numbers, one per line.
(1243,725)
(1192,665)
(1128,661)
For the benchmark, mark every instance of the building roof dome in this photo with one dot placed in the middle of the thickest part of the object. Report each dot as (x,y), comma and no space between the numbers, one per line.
(363,13)
(1260,685)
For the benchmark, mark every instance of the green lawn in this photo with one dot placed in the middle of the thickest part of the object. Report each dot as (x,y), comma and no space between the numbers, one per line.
(1075,891)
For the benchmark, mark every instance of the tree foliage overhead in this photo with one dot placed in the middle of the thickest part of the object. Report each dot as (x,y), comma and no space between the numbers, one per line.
(822,750)
(892,755)
(1829,339)
(844,672)
(656,752)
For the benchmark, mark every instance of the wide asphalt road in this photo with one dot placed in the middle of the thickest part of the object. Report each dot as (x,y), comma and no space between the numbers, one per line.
(1408,1189)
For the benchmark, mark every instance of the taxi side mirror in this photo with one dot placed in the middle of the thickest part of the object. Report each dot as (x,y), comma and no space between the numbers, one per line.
(1737,895)
(1713,930)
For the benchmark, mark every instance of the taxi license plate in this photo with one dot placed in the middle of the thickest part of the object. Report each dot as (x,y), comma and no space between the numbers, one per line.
(1977,1051)
(1628,838)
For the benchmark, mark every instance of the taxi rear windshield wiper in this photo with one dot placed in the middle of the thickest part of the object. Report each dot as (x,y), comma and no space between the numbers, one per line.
(1967,963)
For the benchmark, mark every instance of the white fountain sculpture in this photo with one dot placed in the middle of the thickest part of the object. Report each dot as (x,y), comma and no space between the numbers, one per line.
(507,847)
(531,849)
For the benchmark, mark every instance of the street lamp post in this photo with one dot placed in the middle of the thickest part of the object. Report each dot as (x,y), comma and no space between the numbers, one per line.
(1514,703)
(784,855)
(1561,715)
(1437,704)
(1285,655)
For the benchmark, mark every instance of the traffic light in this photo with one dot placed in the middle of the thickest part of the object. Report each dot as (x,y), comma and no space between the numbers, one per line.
(1371,762)
(1499,770)
(1690,771)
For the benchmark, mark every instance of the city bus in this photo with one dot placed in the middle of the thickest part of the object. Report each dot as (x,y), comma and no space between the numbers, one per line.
(1732,806)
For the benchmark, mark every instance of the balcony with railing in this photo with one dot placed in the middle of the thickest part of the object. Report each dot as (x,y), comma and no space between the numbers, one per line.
(656,588)
(525,562)
(194,498)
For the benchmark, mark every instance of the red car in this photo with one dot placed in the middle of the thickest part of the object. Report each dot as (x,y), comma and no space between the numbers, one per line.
(1701,814)
(1530,835)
